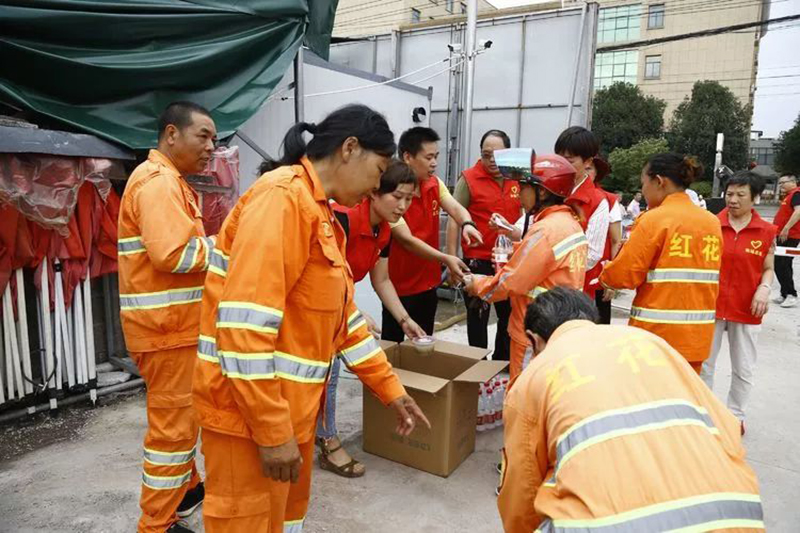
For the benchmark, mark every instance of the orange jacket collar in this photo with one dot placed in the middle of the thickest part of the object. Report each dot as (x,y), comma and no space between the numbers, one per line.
(161,159)
(678,198)
(569,326)
(547,211)
(316,185)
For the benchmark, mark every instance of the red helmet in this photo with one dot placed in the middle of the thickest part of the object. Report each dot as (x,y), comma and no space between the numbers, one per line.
(554,173)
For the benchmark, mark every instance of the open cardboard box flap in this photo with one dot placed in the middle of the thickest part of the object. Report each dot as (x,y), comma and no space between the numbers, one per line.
(421,382)
(461,350)
(482,371)
(385,345)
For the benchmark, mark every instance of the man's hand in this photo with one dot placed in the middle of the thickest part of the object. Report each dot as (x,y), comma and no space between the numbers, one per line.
(408,414)
(281,463)
(412,329)
(469,283)
(783,235)
(458,269)
(609,295)
(760,303)
(472,237)
(372,326)
(498,223)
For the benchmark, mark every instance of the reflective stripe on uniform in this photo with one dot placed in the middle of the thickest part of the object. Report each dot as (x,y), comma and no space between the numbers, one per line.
(355,355)
(293,526)
(262,365)
(188,256)
(536,292)
(680,316)
(166,482)
(531,240)
(244,315)
(615,423)
(154,300)
(130,246)
(218,263)
(355,321)
(168,458)
(682,275)
(722,510)
(570,243)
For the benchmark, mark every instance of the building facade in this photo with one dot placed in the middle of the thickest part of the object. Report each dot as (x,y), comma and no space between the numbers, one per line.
(669,70)
(358,18)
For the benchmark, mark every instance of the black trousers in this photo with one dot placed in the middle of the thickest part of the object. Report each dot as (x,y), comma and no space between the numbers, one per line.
(478,316)
(603,308)
(421,308)
(784,271)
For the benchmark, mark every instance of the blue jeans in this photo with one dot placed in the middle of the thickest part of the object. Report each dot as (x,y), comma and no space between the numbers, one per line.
(328,429)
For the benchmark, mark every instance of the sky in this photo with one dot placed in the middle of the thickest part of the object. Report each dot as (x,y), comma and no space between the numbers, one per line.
(777,101)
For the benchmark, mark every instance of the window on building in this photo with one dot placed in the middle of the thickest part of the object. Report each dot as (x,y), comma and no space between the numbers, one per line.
(611,67)
(619,24)
(652,67)
(416,16)
(463,8)
(763,156)
(449,5)
(655,17)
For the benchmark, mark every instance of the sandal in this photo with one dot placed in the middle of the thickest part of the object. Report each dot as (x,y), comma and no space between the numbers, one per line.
(347,470)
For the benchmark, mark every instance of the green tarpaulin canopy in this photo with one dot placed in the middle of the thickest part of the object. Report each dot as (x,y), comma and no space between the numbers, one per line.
(110,67)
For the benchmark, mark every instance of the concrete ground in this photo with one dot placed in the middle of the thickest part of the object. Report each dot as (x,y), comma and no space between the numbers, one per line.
(80,472)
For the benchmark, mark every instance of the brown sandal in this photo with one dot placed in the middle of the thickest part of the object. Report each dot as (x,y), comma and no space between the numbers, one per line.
(325,463)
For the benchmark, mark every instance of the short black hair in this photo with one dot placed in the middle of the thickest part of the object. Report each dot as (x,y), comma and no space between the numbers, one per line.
(578,141)
(396,174)
(412,139)
(749,178)
(555,307)
(179,114)
(496,133)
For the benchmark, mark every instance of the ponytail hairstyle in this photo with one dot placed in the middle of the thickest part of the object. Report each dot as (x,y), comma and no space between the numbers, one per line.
(354,120)
(681,170)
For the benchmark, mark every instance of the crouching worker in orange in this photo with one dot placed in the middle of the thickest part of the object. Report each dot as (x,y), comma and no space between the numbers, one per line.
(609,429)
(163,258)
(552,252)
(672,259)
(277,307)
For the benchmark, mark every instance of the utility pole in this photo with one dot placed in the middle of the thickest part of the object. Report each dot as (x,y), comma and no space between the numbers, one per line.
(299,87)
(472,30)
(718,164)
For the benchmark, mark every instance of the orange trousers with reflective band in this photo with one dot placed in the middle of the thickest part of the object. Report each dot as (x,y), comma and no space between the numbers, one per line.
(170,443)
(240,499)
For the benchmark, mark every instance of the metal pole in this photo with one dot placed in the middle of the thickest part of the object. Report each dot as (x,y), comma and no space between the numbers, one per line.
(520,96)
(576,71)
(299,87)
(472,30)
(718,164)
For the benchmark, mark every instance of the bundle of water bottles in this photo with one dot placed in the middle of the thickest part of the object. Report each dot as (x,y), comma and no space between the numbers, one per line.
(490,403)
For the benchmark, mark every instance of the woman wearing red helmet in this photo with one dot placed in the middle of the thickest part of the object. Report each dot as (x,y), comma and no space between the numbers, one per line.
(552,251)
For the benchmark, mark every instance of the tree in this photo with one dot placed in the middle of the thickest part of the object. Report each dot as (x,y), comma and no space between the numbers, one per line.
(622,116)
(712,109)
(787,150)
(627,164)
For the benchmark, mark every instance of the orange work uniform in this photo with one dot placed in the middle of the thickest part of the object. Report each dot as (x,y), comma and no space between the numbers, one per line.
(163,257)
(553,253)
(610,430)
(672,259)
(277,305)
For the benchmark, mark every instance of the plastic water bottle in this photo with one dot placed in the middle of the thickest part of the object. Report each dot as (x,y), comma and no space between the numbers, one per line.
(499,394)
(503,248)
(481,408)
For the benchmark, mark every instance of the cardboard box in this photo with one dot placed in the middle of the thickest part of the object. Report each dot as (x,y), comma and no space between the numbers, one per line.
(445,385)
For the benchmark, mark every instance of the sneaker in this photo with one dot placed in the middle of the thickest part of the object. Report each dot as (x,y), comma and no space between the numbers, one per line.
(790,301)
(192,500)
(179,527)
(499,468)
(778,299)
(742,425)
(497,491)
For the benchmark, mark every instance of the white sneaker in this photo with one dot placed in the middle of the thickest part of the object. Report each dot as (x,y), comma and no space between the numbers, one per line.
(779,299)
(790,301)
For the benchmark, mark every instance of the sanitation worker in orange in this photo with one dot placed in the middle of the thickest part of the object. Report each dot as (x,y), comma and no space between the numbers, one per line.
(163,257)
(608,429)
(277,308)
(672,259)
